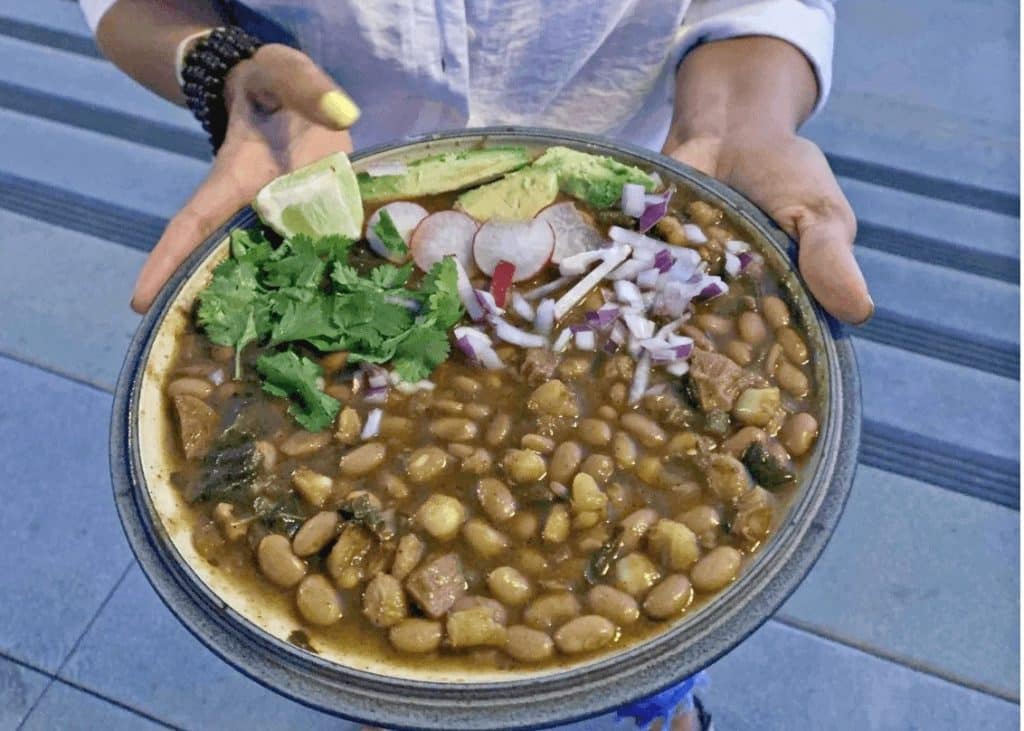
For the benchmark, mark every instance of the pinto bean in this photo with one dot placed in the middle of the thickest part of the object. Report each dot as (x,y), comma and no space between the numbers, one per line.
(737,444)
(478,411)
(673,544)
(349,426)
(645,429)
(584,634)
(551,610)
(496,608)
(565,461)
(499,430)
(278,563)
(586,495)
(384,601)
(454,429)
(479,462)
(496,499)
(556,527)
(594,432)
(635,574)
(751,328)
(315,533)
(317,601)
(635,526)
(198,387)
(523,525)
(315,488)
(792,345)
(538,443)
(775,312)
(524,465)
(528,645)
(484,539)
(740,352)
(792,379)
(416,636)
(509,586)
(624,450)
(407,556)
(474,627)
(303,443)
(599,466)
(363,460)
(441,516)
(716,569)
(232,527)
(618,606)
(668,598)
(466,386)
(426,464)
(798,433)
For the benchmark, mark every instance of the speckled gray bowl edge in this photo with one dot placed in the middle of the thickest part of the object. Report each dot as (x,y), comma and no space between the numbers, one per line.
(584,691)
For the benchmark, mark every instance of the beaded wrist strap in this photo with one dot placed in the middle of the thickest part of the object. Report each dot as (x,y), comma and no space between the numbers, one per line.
(205,69)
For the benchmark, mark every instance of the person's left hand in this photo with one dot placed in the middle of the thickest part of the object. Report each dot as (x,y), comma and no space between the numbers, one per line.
(789,178)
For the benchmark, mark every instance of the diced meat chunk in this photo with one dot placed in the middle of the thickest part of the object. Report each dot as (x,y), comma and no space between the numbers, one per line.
(717,380)
(437,585)
(198,424)
(538,366)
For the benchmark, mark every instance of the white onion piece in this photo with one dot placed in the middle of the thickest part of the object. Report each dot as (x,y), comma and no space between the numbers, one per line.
(486,300)
(656,390)
(633,200)
(628,292)
(666,330)
(467,294)
(386,167)
(545,289)
(639,327)
(562,341)
(641,377)
(614,256)
(217,377)
(544,319)
(693,234)
(474,336)
(679,368)
(377,378)
(578,263)
(372,427)
(648,278)
(732,265)
(521,307)
(735,246)
(637,240)
(377,395)
(410,388)
(504,330)
(585,340)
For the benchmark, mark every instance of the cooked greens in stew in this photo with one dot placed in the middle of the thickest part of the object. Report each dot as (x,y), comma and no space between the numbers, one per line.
(530,411)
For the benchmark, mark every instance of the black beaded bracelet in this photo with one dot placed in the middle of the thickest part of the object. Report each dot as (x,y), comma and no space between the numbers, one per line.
(204,71)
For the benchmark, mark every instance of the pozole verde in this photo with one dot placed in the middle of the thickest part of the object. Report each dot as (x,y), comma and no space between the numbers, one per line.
(517,423)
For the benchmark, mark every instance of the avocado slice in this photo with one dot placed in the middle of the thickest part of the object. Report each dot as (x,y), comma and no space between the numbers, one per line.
(444,172)
(518,196)
(594,179)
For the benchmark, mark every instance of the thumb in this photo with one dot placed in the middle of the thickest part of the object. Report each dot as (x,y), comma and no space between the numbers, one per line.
(831,271)
(280,76)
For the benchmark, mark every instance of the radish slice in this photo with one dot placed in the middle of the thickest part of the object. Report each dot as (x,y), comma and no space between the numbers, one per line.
(441,234)
(502,280)
(574,233)
(527,245)
(406,216)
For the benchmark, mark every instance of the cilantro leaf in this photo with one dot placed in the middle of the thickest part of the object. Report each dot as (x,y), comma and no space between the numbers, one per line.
(439,291)
(288,375)
(296,264)
(233,309)
(387,276)
(303,318)
(420,351)
(346,278)
(388,234)
(250,245)
(333,248)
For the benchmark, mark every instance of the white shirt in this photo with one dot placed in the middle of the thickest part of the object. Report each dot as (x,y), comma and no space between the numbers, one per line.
(608,68)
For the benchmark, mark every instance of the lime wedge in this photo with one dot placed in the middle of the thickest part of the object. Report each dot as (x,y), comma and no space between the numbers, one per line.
(318,200)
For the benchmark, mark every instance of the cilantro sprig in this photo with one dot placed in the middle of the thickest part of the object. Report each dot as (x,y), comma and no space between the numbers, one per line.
(309,293)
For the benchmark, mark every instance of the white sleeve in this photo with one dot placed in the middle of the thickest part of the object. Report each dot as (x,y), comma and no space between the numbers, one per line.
(807,24)
(94,10)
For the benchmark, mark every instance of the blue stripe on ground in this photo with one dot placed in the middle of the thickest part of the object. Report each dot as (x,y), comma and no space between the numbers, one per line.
(49,37)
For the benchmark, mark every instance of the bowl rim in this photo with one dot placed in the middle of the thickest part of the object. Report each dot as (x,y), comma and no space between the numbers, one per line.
(593,687)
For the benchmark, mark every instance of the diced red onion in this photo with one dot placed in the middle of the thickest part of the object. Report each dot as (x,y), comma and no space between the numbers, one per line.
(544,319)
(372,427)
(521,307)
(713,287)
(585,340)
(508,332)
(655,210)
(694,234)
(632,202)
(610,346)
(579,327)
(639,327)
(626,291)
(671,354)
(732,265)
(376,395)
(746,258)
(619,333)
(680,368)
(477,347)
(647,279)
(545,289)
(386,167)
(579,263)
(486,300)
(376,376)
(734,246)
(562,341)
(666,330)
(663,260)
(466,293)
(602,317)
(641,377)
(674,299)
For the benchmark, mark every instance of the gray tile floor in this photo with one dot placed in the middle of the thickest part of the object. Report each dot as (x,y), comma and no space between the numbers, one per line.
(910,619)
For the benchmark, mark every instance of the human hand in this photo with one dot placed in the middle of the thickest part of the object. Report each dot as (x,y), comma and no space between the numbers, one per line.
(283,112)
(789,178)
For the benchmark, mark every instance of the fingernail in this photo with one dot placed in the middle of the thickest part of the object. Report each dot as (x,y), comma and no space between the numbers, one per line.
(871,312)
(340,108)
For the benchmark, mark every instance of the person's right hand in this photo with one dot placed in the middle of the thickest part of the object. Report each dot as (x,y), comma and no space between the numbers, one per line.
(283,112)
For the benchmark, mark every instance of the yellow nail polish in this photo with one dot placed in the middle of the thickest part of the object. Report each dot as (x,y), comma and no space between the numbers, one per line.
(340,108)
